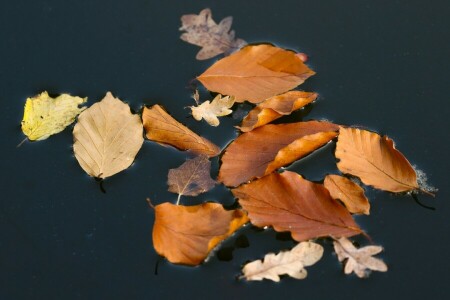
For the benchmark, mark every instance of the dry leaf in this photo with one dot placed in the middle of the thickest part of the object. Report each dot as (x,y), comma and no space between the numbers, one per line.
(186,234)
(201,30)
(350,193)
(44,116)
(287,202)
(269,147)
(359,260)
(276,107)
(191,178)
(162,128)
(255,73)
(291,263)
(220,106)
(107,137)
(374,160)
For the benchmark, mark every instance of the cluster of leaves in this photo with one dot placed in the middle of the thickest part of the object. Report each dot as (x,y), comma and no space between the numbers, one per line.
(107,137)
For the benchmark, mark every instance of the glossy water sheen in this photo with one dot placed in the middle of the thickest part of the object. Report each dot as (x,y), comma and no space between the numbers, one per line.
(381,64)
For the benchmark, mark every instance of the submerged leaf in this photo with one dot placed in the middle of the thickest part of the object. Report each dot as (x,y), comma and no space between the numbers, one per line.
(291,263)
(107,137)
(44,116)
(220,106)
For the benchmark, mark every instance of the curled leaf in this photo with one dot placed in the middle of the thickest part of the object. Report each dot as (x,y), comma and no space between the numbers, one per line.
(220,106)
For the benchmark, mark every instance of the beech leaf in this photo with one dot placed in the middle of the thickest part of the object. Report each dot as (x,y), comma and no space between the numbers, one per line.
(359,260)
(218,107)
(256,73)
(186,234)
(44,116)
(107,137)
(291,263)
(374,160)
(191,178)
(287,202)
(163,128)
(201,30)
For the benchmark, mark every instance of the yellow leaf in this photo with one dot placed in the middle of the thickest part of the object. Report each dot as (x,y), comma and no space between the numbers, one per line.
(44,116)
(209,111)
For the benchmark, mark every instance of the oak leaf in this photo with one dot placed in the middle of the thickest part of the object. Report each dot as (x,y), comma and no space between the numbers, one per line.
(107,137)
(44,116)
(291,263)
(255,73)
(201,30)
(191,178)
(269,147)
(374,160)
(163,128)
(186,234)
(276,107)
(218,107)
(287,202)
(350,193)
(359,260)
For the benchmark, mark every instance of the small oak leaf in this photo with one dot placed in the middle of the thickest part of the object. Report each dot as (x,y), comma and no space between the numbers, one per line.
(218,107)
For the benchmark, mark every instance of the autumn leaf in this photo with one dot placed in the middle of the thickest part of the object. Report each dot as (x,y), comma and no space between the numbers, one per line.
(107,137)
(269,147)
(291,263)
(256,73)
(359,260)
(374,160)
(215,39)
(191,178)
(44,116)
(186,234)
(276,107)
(287,202)
(350,193)
(162,128)
(220,106)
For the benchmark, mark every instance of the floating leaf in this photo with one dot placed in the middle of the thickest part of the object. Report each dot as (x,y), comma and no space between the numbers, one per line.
(162,128)
(44,116)
(287,202)
(269,147)
(220,106)
(359,260)
(256,73)
(374,160)
(191,178)
(201,30)
(186,234)
(107,137)
(291,263)
(276,107)
(350,193)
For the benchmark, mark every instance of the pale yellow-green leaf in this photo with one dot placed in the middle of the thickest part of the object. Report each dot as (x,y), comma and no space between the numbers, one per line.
(218,107)
(44,116)
(107,137)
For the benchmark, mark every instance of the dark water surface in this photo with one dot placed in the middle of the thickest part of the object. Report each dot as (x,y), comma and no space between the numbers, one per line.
(380,64)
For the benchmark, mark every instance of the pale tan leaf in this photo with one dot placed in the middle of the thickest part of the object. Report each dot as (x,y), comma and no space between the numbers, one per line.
(218,107)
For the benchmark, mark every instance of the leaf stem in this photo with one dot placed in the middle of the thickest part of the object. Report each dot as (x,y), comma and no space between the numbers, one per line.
(23,141)
(178,199)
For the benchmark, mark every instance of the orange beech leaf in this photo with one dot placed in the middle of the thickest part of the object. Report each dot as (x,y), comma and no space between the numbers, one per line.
(276,107)
(162,128)
(255,73)
(350,193)
(269,147)
(186,234)
(374,160)
(287,202)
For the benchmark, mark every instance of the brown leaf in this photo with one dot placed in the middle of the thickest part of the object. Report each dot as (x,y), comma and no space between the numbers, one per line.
(350,193)
(287,202)
(374,160)
(218,107)
(276,107)
(191,178)
(255,73)
(201,30)
(107,137)
(186,234)
(269,147)
(359,260)
(162,128)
